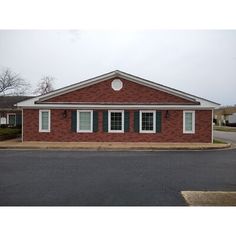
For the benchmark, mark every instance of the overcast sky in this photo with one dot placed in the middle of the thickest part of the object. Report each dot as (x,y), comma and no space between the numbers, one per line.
(199,62)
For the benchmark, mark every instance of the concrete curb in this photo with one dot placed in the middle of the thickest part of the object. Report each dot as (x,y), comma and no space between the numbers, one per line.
(209,198)
(103,147)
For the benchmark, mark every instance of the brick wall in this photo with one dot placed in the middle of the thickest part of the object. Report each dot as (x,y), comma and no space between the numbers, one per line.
(172,129)
(130,93)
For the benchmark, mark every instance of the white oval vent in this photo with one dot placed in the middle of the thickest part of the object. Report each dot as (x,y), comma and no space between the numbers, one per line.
(116,84)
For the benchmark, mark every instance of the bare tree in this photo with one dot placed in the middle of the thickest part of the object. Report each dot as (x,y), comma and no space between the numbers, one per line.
(12,84)
(45,85)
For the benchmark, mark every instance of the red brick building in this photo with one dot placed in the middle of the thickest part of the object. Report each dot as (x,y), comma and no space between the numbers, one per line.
(117,107)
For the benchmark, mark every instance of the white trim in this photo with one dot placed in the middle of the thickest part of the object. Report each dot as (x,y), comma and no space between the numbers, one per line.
(22,125)
(116,84)
(40,121)
(193,123)
(212,127)
(113,74)
(8,114)
(140,121)
(119,107)
(109,121)
(91,121)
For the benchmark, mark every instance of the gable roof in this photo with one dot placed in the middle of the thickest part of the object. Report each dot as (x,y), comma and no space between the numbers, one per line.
(36,101)
(8,102)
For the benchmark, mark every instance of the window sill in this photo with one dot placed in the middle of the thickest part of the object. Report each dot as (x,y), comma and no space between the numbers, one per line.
(147,132)
(190,132)
(115,131)
(44,131)
(84,131)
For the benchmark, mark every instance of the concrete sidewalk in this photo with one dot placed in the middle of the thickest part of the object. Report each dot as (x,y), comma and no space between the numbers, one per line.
(17,144)
(209,198)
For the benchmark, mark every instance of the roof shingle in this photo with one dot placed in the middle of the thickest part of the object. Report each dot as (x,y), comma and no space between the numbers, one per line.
(8,102)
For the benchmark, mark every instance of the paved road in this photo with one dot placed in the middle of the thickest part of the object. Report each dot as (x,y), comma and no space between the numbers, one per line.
(111,178)
(228,136)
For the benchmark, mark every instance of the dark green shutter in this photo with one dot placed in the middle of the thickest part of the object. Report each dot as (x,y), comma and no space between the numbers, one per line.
(158,121)
(136,121)
(126,120)
(95,121)
(18,119)
(105,121)
(74,121)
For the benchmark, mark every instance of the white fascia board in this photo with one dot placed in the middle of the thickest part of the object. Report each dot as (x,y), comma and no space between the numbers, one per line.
(206,103)
(79,85)
(31,103)
(154,85)
(168,89)
(123,75)
(111,75)
(68,88)
(92,106)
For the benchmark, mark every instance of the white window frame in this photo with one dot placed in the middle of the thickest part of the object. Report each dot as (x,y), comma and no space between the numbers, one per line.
(40,121)
(193,123)
(91,121)
(154,121)
(122,121)
(11,114)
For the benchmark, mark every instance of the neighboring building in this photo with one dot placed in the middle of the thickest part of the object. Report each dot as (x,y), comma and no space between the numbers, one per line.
(117,107)
(225,116)
(10,115)
(232,119)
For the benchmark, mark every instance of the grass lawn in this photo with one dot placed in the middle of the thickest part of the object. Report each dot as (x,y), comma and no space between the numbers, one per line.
(218,141)
(225,128)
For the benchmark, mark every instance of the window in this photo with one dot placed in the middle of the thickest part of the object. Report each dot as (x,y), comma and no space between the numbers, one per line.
(44,120)
(84,121)
(116,121)
(11,119)
(147,122)
(189,122)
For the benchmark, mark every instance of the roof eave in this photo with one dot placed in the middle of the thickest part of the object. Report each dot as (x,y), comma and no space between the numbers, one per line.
(113,74)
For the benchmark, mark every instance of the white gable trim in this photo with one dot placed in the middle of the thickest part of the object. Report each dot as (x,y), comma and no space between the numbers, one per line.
(89,82)
(111,75)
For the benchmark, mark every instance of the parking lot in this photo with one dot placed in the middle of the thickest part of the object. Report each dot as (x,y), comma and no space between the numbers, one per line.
(89,178)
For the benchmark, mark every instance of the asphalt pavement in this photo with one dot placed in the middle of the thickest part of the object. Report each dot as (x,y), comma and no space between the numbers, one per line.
(227,136)
(89,178)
